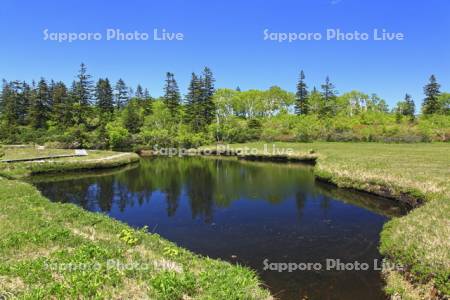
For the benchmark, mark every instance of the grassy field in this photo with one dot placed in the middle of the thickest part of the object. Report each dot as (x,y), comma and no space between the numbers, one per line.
(37,234)
(414,173)
(94,160)
(31,152)
(60,251)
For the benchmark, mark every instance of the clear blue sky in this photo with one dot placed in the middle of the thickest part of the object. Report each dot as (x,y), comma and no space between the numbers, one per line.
(228,37)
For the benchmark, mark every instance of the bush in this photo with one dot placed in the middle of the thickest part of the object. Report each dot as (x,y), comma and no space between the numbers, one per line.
(254,129)
(77,137)
(187,139)
(118,137)
(231,129)
(436,127)
(279,128)
(55,145)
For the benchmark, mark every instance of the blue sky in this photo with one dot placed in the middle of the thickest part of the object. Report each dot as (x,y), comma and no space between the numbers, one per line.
(228,37)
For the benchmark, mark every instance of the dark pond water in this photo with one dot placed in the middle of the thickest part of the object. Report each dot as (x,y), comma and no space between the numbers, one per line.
(246,213)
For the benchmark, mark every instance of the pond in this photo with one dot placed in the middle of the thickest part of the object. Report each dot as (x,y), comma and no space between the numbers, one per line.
(251,213)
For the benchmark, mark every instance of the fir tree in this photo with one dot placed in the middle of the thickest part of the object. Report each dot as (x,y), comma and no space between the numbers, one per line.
(40,106)
(139,92)
(147,103)
(431,103)
(8,105)
(62,105)
(301,105)
(146,94)
(131,117)
(82,95)
(83,87)
(121,94)
(104,95)
(207,105)
(328,98)
(171,94)
(22,95)
(193,103)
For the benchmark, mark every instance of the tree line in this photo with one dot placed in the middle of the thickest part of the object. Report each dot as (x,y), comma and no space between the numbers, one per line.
(433,103)
(105,115)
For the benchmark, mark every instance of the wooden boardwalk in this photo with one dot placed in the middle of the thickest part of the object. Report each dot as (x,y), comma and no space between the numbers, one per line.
(39,158)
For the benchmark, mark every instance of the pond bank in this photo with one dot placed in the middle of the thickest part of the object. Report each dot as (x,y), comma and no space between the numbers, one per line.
(409,198)
(60,250)
(420,241)
(95,160)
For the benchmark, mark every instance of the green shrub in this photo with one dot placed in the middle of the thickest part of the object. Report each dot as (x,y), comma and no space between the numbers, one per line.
(118,136)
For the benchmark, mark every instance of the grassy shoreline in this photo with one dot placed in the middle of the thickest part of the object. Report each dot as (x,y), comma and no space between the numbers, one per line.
(417,175)
(95,160)
(52,250)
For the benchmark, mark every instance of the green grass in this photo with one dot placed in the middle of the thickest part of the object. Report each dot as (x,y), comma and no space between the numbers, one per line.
(95,159)
(31,152)
(36,232)
(60,251)
(415,173)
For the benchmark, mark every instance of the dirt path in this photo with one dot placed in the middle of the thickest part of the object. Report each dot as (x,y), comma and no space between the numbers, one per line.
(43,160)
(108,157)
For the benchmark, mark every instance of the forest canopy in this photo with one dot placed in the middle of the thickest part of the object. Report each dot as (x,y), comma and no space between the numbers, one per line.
(107,115)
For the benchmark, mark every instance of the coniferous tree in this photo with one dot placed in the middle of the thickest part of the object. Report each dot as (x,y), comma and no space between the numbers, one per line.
(105,101)
(51,86)
(131,117)
(146,94)
(207,104)
(62,105)
(40,106)
(328,98)
(16,97)
(147,103)
(171,94)
(193,103)
(301,105)
(200,108)
(405,108)
(82,93)
(139,92)
(121,94)
(24,103)
(431,102)
(8,105)
(84,87)
(410,107)
(130,93)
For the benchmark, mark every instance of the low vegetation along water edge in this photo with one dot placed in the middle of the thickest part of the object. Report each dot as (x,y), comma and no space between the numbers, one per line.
(417,175)
(53,250)
(39,235)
